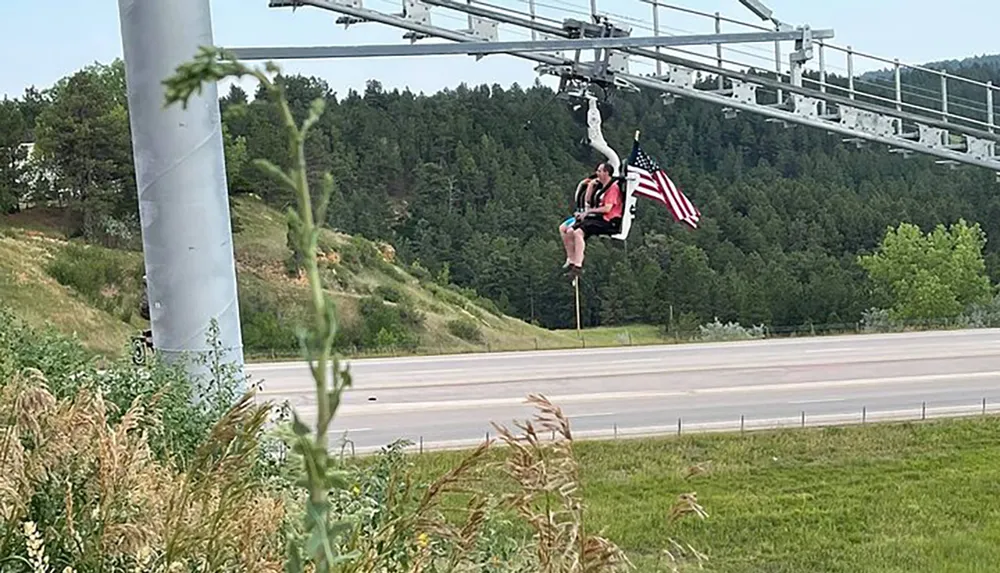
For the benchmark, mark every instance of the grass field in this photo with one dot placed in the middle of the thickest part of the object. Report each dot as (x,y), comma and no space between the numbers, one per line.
(879,498)
(27,285)
(631,335)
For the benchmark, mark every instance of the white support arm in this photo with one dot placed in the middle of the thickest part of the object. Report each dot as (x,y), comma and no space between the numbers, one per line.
(596,138)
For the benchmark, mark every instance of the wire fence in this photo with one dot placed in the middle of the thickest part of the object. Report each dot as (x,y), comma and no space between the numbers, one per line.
(742,424)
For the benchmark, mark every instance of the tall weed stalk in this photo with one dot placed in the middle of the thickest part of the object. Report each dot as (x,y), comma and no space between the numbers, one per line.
(323,534)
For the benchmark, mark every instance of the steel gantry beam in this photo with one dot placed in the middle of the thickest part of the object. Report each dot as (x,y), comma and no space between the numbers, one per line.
(892,126)
(416,27)
(474,47)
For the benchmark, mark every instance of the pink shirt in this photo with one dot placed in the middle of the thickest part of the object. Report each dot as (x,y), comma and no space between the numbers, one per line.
(613,197)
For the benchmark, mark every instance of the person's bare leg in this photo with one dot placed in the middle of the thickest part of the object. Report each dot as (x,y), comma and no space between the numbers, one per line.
(567,238)
(578,244)
(569,241)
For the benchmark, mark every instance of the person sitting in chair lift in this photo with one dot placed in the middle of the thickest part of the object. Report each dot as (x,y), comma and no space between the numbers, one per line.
(584,192)
(602,216)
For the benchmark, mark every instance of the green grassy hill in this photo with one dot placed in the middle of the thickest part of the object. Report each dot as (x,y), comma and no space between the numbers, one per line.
(92,291)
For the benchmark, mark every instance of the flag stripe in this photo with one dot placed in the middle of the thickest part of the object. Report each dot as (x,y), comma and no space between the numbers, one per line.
(685,206)
(657,185)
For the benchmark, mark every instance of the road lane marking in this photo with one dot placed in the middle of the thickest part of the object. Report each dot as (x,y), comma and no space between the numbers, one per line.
(565,372)
(303,369)
(481,403)
(818,401)
(589,415)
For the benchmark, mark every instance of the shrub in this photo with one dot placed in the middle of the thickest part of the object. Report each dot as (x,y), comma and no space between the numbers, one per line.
(391,293)
(110,280)
(718,332)
(47,350)
(420,272)
(878,320)
(465,329)
(411,315)
(359,253)
(68,368)
(383,326)
(267,322)
(981,315)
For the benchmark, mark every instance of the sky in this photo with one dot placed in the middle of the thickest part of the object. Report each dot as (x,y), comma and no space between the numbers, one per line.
(44,40)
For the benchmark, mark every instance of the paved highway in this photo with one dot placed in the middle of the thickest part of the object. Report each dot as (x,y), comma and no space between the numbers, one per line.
(449,401)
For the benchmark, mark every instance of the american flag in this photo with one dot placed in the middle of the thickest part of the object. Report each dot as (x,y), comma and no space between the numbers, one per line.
(655,184)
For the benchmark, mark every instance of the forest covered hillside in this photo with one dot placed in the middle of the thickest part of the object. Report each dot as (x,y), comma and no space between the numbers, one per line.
(473,182)
(470,184)
(988,64)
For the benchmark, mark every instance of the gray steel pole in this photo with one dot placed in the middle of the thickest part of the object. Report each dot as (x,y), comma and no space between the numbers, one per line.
(181,177)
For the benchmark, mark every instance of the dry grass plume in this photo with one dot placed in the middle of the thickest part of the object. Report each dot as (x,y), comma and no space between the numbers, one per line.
(100,500)
(549,496)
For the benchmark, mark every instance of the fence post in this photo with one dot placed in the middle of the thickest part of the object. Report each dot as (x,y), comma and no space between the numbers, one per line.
(741,423)
(803,418)
(678,426)
(421,444)
(864,414)
(984,406)
(923,411)
(616,430)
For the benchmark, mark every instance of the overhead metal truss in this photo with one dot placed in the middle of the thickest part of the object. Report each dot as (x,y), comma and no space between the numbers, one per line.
(495,47)
(902,130)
